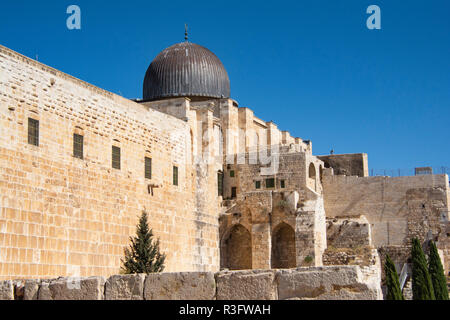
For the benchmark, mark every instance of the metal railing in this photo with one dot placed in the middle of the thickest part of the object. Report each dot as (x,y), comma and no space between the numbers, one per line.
(404,275)
(406,172)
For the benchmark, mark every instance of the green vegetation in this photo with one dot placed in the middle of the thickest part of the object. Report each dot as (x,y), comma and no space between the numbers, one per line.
(143,256)
(421,280)
(393,284)
(437,274)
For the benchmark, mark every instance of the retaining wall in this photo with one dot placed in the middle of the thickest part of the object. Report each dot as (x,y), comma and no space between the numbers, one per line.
(321,283)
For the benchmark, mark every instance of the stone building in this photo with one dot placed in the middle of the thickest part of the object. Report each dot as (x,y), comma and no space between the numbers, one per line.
(223,188)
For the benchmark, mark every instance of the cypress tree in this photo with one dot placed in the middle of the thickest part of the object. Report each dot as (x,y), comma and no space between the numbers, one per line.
(393,284)
(437,274)
(143,256)
(421,280)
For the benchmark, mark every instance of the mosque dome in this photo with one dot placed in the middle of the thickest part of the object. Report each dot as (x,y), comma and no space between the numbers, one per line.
(186,70)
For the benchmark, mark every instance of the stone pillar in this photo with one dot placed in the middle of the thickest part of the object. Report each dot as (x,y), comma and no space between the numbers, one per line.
(246,132)
(273,134)
(230,119)
(304,239)
(261,246)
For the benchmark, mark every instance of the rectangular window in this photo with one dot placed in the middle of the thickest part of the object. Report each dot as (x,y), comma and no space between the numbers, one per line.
(116,157)
(175,176)
(148,168)
(220,183)
(282,184)
(233,192)
(232,173)
(270,183)
(33,132)
(77,146)
(258,184)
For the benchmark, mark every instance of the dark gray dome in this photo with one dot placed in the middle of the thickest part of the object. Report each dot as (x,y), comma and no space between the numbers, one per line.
(186,70)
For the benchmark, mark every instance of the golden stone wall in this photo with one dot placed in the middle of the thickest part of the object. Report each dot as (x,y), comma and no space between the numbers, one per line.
(398,209)
(60,215)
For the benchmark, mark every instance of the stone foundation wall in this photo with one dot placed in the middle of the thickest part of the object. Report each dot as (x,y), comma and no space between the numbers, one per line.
(321,283)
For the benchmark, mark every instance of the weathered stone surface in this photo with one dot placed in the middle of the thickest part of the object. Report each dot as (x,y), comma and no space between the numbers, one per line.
(27,289)
(349,232)
(357,291)
(326,283)
(246,285)
(125,287)
(31,289)
(44,291)
(19,288)
(321,283)
(180,286)
(6,290)
(91,288)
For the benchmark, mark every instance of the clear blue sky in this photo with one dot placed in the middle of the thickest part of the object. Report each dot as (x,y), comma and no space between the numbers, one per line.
(312,67)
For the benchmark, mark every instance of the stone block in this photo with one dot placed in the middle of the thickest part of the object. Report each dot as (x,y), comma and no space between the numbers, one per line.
(356,291)
(31,289)
(125,287)
(91,288)
(6,290)
(44,291)
(26,289)
(246,285)
(180,286)
(325,283)
(19,288)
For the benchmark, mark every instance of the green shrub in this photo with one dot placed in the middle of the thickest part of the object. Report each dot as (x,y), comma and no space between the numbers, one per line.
(392,282)
(437,274)
(421,280)
(143,256)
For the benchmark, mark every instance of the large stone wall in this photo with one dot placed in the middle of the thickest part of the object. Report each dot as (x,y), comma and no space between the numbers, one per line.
(321,283)
(398,209)
(60,215)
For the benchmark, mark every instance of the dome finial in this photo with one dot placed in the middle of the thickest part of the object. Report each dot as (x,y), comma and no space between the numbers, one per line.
(185,32)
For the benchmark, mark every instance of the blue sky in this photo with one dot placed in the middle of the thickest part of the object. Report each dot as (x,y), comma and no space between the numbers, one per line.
(312,67)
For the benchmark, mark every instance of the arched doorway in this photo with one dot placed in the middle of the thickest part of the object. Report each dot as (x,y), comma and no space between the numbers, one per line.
(283,247)
(236,249)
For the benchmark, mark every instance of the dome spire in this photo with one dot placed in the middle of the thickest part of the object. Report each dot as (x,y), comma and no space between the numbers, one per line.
(185,32)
